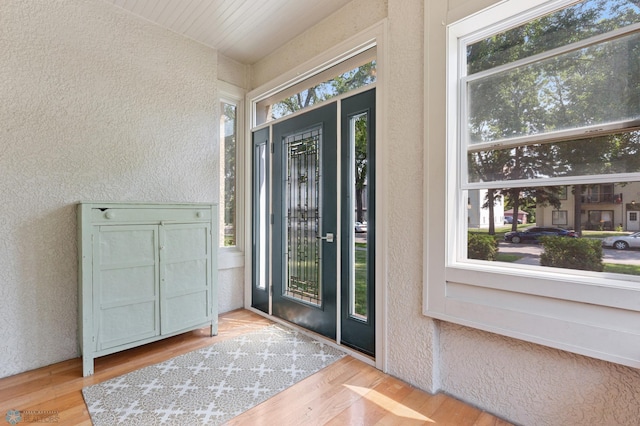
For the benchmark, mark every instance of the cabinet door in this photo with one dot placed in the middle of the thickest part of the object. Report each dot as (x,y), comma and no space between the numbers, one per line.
(185,276)
(125,279)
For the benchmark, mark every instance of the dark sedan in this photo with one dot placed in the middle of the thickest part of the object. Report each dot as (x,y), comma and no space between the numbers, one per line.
(535,232)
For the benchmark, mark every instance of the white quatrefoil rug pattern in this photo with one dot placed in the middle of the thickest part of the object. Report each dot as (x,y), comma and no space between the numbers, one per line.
(211,385)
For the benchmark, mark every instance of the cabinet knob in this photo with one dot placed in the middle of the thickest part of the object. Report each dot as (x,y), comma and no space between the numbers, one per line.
(198,214)
(109,215)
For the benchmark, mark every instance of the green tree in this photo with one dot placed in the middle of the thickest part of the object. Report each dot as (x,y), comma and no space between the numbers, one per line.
(229,114)
(593,85)
(343,83)
(361,163)
(353,79)
(358,77)
(296,102)
(486,166)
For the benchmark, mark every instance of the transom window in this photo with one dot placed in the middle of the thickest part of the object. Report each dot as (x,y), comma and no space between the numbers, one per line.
(356,71)
(355,78)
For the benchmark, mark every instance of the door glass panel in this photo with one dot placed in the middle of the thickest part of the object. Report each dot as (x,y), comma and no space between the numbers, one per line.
(305,219)
(261,222)
(302,205)
(358,138)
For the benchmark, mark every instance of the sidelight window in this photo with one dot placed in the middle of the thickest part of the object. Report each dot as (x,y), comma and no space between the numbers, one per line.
(228,145)
(231,182)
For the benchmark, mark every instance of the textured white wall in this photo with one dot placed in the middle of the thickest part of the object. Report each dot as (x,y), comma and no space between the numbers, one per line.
(230,289)
(231,280)
(233,72)
(411,358)
(525,383)
(353,18)
(535,385)
(94,105)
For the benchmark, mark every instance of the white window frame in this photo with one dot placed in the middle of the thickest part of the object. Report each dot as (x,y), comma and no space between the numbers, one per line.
(234,257)
(593,314)
(559,217)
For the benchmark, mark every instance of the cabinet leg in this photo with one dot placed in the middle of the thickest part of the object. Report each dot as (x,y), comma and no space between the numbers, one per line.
(87,365)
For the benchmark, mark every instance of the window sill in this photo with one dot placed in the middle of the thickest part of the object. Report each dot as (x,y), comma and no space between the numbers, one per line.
(229,258)
(590,316)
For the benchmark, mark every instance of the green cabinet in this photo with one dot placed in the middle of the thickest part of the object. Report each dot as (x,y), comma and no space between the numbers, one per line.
(147,271)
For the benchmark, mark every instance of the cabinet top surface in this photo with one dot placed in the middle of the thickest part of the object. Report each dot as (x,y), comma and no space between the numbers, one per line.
(141,205)
(111,213)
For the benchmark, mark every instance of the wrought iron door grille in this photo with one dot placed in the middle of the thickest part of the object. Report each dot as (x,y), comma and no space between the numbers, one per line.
(303,216)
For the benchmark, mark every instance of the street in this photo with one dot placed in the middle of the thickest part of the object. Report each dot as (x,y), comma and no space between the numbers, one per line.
(531,253)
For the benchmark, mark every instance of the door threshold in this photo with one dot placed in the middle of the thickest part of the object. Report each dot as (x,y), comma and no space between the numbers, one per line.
(349,351)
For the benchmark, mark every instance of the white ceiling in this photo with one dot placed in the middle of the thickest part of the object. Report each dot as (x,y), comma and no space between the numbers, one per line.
(244,30)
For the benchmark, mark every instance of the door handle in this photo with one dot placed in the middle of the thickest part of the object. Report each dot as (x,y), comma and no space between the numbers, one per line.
(328,238)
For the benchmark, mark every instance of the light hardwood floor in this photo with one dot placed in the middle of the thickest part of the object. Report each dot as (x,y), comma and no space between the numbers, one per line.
(348,392)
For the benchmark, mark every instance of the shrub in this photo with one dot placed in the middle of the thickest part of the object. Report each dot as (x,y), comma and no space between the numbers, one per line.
(572,253)
(482,246)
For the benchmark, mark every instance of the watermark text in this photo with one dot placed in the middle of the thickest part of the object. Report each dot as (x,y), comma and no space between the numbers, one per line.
(15,417)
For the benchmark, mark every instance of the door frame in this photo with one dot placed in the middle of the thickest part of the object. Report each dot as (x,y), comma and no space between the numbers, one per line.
(375,36)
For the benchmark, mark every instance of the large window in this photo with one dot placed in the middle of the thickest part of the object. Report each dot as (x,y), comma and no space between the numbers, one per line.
(543,112)
(547,103)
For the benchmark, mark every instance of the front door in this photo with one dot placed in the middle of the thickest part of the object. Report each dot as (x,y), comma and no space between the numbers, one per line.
(313,244)
(633,222)
(305,220)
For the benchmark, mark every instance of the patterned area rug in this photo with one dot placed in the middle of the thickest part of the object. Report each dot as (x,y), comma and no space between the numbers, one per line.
(211,385)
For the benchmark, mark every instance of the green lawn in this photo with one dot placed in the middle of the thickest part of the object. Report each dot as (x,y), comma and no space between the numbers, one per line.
(504,257)
(361,281)
(500,230)
(622,269)
(602,234)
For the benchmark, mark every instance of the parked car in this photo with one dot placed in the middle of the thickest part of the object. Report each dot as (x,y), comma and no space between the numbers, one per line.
(623,242)
(535,232)
(509,220)
(361,226)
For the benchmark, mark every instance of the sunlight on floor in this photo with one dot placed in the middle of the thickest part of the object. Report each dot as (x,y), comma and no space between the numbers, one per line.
(390,405)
